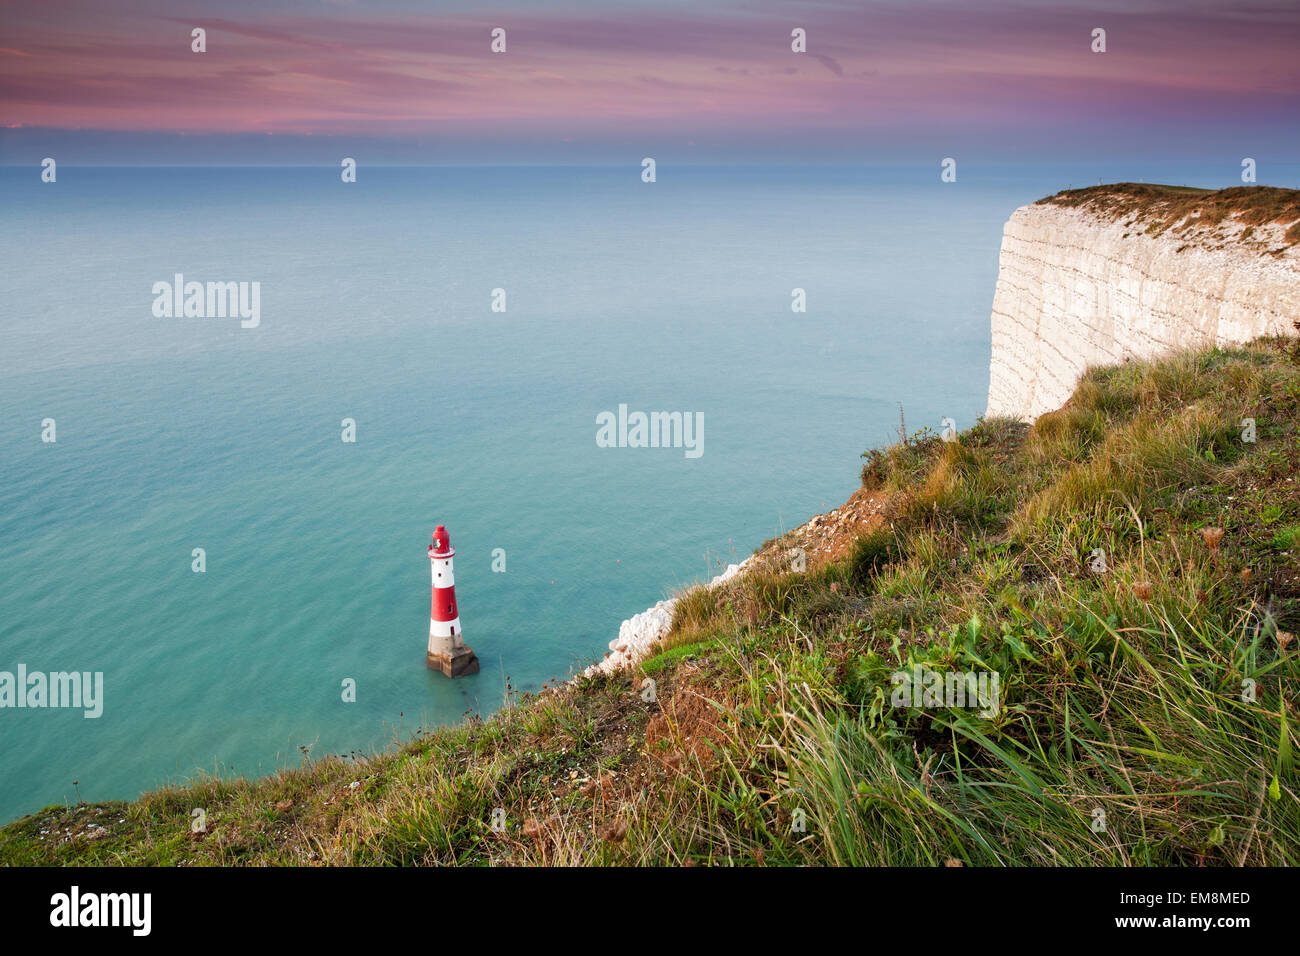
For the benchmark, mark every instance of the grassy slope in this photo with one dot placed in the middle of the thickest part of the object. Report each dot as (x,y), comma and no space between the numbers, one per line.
(1120,691)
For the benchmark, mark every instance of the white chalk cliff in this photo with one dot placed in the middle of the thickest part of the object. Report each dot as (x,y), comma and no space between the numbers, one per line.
(1077,287)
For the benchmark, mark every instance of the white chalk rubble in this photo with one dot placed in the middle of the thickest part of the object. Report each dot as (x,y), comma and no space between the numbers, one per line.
(639,633)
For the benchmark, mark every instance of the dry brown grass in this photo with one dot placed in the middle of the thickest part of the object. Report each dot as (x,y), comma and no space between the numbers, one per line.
(689,727)
(1159,208)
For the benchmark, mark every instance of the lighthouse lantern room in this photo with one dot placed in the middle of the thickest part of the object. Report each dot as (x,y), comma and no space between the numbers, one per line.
(447,649)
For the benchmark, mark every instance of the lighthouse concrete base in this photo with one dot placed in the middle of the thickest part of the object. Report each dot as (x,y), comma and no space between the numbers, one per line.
(456,663)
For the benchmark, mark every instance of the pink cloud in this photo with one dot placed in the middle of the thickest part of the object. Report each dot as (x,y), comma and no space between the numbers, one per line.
(358,69)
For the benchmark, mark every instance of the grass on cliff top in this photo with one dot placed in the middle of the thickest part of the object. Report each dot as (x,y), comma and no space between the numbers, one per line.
(1159,207)
(1145,714)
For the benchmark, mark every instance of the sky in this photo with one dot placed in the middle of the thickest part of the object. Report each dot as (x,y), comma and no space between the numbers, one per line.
(395,81)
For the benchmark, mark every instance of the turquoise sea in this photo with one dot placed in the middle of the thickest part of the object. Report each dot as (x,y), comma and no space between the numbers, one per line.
(183,433)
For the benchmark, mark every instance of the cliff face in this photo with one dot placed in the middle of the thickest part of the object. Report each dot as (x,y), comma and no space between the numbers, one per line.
(1098,280)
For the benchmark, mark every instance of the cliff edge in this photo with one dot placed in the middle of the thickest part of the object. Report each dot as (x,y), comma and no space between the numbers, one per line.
(1106,274)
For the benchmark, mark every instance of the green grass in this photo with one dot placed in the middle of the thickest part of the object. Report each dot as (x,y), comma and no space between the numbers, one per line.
(1160,693)
(1288,538)
(659,662)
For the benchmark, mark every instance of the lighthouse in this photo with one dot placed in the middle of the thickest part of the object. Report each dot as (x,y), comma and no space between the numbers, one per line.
(447,650)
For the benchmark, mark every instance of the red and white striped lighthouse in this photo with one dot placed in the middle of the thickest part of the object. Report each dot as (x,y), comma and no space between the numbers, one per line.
(447,650)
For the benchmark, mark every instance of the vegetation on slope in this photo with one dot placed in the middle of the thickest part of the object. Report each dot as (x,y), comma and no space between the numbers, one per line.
(1146,712)
(1189,210)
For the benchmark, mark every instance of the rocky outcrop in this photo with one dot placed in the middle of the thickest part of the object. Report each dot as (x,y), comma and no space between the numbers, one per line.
(639,633)
(1081,285)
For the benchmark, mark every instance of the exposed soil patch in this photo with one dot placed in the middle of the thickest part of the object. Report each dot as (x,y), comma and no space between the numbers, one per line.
(829,537)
